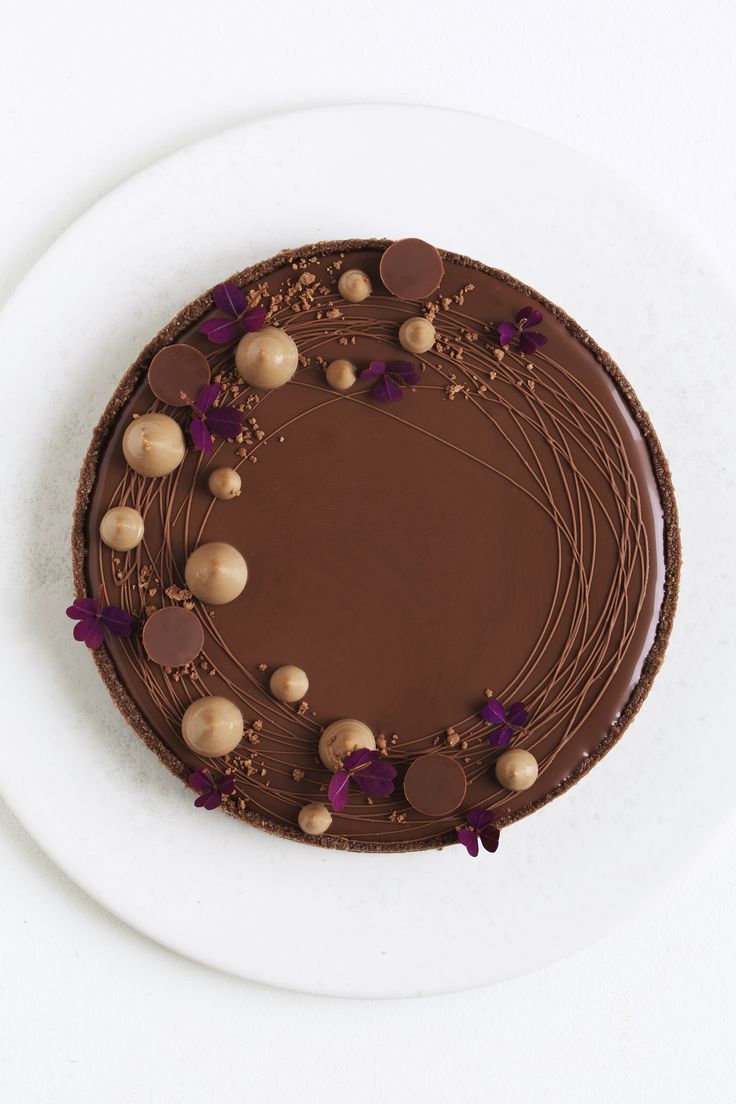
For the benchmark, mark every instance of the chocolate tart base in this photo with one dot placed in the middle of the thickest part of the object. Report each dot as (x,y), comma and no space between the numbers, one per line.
(672,551)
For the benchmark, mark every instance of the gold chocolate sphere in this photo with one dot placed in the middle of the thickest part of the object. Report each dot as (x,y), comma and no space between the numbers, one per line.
(314,819)
(224,483)
(216,573)
(417,335)
(340,374)
(517,769)
(266,358)
(212,727)
(122,528)
(354,285)
(154,444)
(342,737)
(289,684)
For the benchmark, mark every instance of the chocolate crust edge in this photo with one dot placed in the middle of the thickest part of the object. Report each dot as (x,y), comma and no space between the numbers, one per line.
(663,478)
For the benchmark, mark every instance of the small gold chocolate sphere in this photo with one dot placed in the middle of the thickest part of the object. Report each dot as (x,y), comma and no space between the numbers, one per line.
(289,684)
(154,444)
(216,573)
(224,483)
(354,285)
(122,528)
(340,374)
(212,727)
(342,737)
(417,335)
(314,819)
(266,358)
(517,769)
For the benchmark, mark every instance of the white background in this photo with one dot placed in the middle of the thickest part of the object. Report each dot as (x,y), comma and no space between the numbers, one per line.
(90,1010)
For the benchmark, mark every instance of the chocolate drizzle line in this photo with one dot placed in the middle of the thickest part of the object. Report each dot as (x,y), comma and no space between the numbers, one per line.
(546,406)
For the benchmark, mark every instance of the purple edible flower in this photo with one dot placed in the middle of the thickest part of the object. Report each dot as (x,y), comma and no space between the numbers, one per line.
(390,376)
(92,620)
(480,827)
(509,720)
(210,791)
(529,340)
(223,421)
(370,772)
(230,300)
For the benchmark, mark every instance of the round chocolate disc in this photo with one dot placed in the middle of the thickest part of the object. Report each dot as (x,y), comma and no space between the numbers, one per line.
(173,636)
(435,785)
(411,268)
(176,371)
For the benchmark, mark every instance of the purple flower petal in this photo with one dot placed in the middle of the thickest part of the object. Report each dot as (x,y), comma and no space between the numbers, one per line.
(359,758)
(529,316)
(517,714)
(385,390)
(376,779)
(201,436)
(530,342)
(375,369)
(220,331)
(91,632)
(253,319)
(501,737)
(337,791)
(469,840)
(117,620)
(225,421)
(209,801)
(506,333)
(480,818)
(227,785)
(490,837)
(404,369)
(229,298)
(83,608)
(493,712)
(200,780)
(207,396)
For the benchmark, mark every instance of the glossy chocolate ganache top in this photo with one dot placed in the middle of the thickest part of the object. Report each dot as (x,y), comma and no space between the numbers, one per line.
(462,544)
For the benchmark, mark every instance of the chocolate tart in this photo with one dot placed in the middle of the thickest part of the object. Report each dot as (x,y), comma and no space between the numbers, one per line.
(502,530)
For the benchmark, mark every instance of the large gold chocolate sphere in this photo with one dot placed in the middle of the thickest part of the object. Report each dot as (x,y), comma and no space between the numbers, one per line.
(212,727)
(289,684)
(154,444)
(517,769)
(354,285)
(224,483)
(342,737)
(340,374)
(314,819)
(122,528)
(417,335)
(216,573)
(266,358)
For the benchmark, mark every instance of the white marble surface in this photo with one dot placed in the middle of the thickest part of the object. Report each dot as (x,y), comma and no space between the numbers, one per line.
(118,1015)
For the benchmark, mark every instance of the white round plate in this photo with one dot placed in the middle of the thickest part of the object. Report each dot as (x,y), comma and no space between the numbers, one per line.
(100,803)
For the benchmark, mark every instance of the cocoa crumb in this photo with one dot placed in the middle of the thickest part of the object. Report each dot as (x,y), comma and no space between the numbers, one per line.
(177,594)
(297,774)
